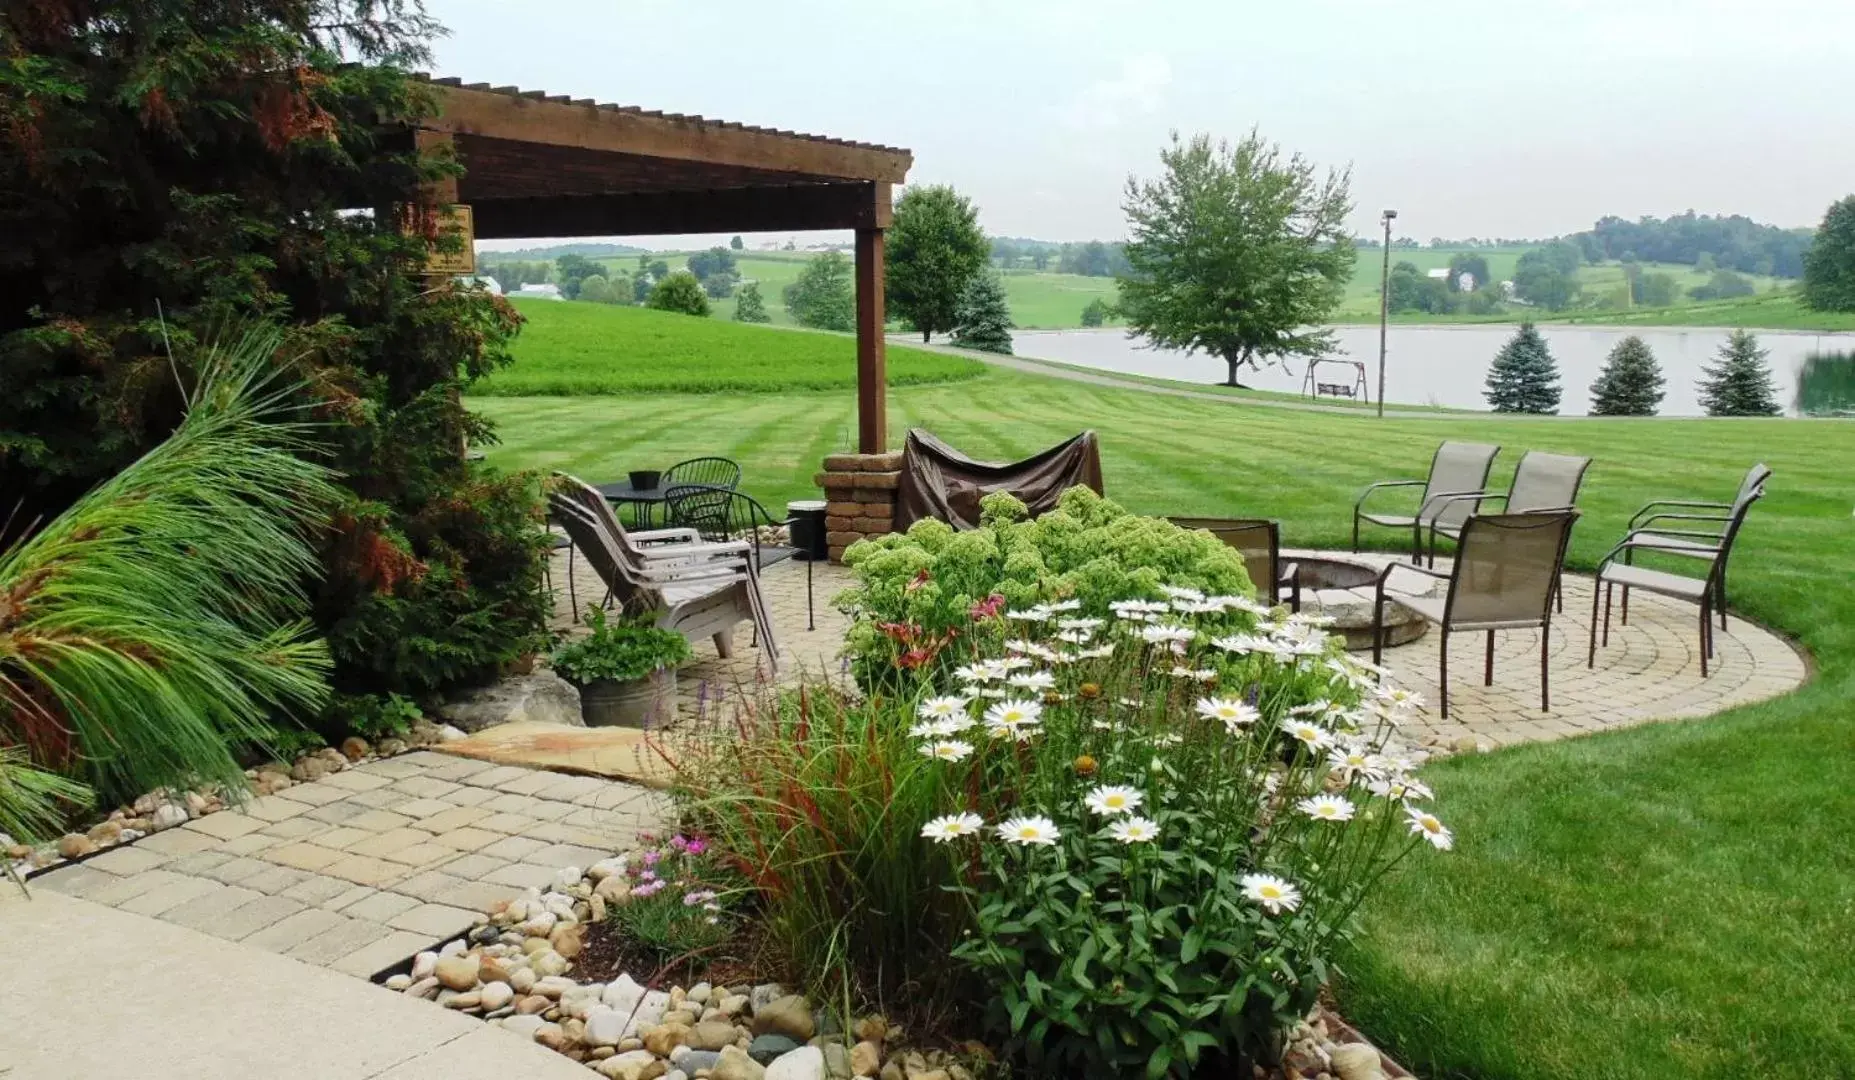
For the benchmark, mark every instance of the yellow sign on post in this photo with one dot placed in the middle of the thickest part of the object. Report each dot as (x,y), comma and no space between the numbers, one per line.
(461,256)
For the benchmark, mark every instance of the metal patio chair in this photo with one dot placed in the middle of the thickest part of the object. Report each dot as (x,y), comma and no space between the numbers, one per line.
(1714,547)
(641,546)
(1693,535)
(1457,469)
(715,472)
(1259,541)
(721,514)
(1542,481)
(1504,577)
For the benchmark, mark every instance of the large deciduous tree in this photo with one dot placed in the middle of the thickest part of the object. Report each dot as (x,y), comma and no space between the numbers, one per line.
(679,292)
(1524,377)
(1829,265)
(822,297)
(749,306)
(1238,251)
(168,167)
(935,250)
(1739,382)
(1631,382)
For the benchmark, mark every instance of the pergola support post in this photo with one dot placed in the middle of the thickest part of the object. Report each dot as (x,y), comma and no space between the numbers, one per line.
(872,356)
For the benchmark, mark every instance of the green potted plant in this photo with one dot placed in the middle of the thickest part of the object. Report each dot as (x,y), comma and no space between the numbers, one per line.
(625,669)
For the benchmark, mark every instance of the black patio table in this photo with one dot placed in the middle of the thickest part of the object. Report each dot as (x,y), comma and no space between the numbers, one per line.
(643,501)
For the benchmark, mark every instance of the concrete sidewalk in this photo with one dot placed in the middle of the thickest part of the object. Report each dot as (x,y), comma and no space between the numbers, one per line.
(92,992)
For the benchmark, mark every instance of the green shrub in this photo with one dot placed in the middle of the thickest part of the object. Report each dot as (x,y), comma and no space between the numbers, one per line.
(623,651)
(372,716)
(680,292)
(914,589)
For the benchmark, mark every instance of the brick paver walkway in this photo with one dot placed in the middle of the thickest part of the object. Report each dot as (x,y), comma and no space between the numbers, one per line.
(361,869)
(1650,671)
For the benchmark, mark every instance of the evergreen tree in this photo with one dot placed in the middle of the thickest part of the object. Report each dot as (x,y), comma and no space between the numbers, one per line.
(1631,382)
(1740,383)
(1524,377)
(748,305)
(984,317)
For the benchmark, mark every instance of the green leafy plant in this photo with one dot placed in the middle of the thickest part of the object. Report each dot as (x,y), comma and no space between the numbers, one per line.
(151,629)
(374,716)
(624,650)
(917,591)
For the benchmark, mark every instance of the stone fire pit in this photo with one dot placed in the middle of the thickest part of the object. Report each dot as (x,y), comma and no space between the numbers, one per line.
(1340,588)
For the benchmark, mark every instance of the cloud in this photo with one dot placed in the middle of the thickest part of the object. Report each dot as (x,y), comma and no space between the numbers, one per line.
(1138,89)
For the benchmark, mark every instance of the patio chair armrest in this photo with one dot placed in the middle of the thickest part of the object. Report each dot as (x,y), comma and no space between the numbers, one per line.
(693,573)
(663,536)
(1636,539)
(699,552)
(1446,497)
(1688,504)
(1370,488)
(1644,523)
(1385,574)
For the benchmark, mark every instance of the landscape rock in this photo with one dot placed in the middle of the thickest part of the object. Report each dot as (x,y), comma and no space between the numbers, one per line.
(547,962)
(788,1015)
(523,980)
(495,995)
(865,1058)
(554,986)
(423,988)
(697,1061)
(700,993)
(309,769)
(168,815)
(447,733)
(768,1048)
(523,1024)
(632,1065)
(423,965)
(336,762)
(554,1037)
(836,1061)
(75,845)
(1357,1061)
(102,834)
(568,941)
(604,1026)
(666,1037)
(892,1071)
(541,696)
(734,1064)
(732,1004)
(354,748)
(805,1063)
(711,1035)
(613,890)
(457,972)
(533,1003)
(765,993)
(389,747)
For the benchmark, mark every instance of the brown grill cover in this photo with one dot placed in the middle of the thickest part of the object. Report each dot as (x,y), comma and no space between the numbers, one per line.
(940,482)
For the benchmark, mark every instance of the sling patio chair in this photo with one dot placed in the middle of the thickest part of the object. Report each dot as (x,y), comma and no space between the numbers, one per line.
(1715,548)
(1504,577)
(1259,541)
(1694,535)
(1457,469)
(653,544)
(694,597)
(1542,481)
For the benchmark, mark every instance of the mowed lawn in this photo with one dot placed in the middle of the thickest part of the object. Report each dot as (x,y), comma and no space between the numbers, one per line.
(1672,901)
(568,347)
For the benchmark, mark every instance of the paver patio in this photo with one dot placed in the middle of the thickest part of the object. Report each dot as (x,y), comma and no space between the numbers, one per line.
(1649,671)
(360,869)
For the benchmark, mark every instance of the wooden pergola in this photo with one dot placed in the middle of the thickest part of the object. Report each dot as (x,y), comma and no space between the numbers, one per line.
(537,165)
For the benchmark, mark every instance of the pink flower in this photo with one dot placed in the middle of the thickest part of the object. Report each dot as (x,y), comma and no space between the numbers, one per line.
(696,846)
(653,857)
(987,608)
(648,888)
(700,896)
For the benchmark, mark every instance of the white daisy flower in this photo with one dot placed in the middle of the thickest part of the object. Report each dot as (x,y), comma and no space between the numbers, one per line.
(1139,611)
(983,671)
(1274,894)
(940,729)
(939,708)
(1009,664)
(1133,830)
(1240,644)
(1398,697)
(1014,714)
(1074,637)
(1231,712)
(1311,734)
(1352,762)
(952,827)
(1167,634)
(1198,674)
(1079,624)
(1327,808)
(1032,680)
(1031,648)
(1111,799)
(1060,606)
(1168,738)
(1400,789)
(1097,652)
(1036,614)
(1029,830)
(947,750)
(1424,824)
(1176,592)
(991,692)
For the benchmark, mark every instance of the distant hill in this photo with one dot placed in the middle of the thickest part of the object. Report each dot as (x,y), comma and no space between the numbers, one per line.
(591,251)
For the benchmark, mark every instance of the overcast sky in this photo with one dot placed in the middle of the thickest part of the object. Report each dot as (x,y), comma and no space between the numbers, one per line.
(1470,118)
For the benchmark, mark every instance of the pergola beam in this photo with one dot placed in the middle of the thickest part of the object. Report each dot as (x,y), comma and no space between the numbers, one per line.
(794,208)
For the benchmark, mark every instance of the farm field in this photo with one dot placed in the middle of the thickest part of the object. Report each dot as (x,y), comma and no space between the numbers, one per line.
(583,348)
(1615,899)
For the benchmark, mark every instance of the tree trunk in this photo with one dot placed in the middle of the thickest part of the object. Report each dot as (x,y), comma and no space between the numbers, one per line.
(1236,363)
(926,335)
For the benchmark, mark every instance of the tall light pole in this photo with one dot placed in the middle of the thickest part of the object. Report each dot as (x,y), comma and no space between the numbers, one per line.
(1384,310)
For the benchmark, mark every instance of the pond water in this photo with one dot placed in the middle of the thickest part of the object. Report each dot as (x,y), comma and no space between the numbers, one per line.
(1447,365)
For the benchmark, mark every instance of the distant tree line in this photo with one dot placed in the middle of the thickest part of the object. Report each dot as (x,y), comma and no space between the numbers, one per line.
(1735,243)
(1090,258)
